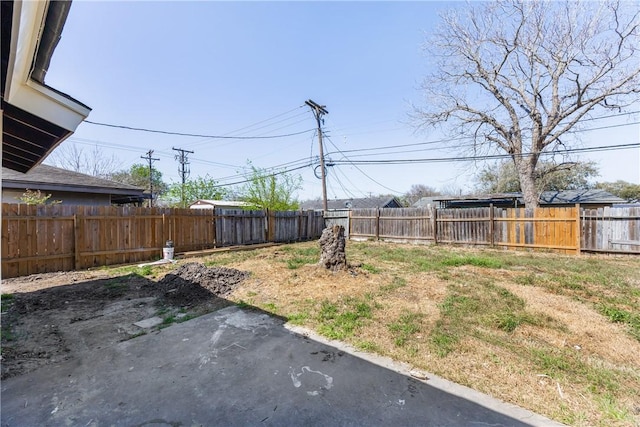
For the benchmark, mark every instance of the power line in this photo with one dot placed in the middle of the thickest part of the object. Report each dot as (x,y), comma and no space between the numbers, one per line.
(363,173)
(206,140)
(337,170)
(463,138)
(133,148)
(265,175)
(268,119)
(486,157)
(195,135)
(302,163)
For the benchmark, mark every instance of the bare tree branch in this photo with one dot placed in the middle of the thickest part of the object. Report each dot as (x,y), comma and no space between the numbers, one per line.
(75,158)
(517,75)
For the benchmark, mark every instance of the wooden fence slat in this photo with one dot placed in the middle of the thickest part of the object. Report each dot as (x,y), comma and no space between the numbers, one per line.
(61,238)
(52,238)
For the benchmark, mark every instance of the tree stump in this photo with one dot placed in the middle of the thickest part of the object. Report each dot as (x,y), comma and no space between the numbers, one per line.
(332,247)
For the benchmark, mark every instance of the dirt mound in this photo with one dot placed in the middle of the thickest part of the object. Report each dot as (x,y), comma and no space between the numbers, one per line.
(193,283)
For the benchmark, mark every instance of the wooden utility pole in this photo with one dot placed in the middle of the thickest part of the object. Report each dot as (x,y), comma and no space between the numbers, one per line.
(151,160)
(318,112)
(183,170)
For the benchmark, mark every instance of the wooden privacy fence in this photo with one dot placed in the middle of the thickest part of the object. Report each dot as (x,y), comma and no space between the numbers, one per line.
(338,217)
(39,239)
(540,228)
(613,230)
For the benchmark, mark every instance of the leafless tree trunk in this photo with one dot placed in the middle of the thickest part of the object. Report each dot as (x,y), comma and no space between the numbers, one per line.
(332,249)
(517,76)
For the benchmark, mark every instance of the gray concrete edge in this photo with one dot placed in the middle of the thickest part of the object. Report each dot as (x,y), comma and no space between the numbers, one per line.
(497,405)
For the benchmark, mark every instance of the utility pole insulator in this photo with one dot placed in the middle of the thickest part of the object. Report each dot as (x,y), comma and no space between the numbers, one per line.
(318,112)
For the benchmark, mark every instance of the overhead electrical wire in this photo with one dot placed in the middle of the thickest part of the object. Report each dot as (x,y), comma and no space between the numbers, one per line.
(267,119)
(207,140)
(464,138)
(303,163)
(347,191)
(263,175)
(484,157)
(362,172)
(195,135)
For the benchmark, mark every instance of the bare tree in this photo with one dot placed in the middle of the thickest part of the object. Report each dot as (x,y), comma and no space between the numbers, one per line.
(92,162)
(418,191)
(518,75)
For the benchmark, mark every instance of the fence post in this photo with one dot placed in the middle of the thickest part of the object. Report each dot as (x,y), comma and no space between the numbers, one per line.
(377,223)
(76,245)
(435,225)
(271,226)
(215,227)
(578,230)
(491,225)
(164,230)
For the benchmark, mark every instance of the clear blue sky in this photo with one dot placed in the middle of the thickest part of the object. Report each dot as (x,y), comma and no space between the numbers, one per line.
(229,68)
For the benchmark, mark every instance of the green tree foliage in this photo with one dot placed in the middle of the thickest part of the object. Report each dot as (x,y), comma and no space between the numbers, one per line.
(138,175)
(37,197)
(503,177)
(623,189)
(194,189)
(269,191)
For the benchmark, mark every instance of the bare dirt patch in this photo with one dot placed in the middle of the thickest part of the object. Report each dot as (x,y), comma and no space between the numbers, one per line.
(48,318)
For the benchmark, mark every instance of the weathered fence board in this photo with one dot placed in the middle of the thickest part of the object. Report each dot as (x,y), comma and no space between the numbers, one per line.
(338,217)
(292,226)
(613,230)
(38,239)
(541,228)
(240,227)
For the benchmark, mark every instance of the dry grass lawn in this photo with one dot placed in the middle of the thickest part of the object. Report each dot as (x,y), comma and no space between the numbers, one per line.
(559,335)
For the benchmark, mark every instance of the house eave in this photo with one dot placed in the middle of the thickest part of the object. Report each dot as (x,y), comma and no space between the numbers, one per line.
(24,185)
(21,89)
(27,103)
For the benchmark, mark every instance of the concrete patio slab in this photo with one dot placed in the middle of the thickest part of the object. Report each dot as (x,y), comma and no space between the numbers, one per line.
(238,367)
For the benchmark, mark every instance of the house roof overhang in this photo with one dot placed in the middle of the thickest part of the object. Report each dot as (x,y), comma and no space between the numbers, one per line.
(49,178)
(36,118)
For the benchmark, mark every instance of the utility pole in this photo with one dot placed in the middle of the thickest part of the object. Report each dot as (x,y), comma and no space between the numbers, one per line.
(318,112)
(183,170)
(151,160)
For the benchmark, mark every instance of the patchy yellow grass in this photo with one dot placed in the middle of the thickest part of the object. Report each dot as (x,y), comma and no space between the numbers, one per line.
(563,358)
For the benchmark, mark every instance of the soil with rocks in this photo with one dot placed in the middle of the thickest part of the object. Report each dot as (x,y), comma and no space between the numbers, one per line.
(51,317)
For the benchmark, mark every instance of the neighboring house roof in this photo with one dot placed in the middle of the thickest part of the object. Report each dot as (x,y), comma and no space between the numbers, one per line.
(369,202)
(579,196)
(425,202)
(212,204)
(50,178)
(547,198)
(35,117)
